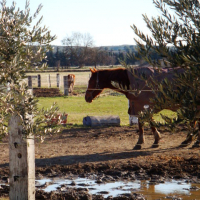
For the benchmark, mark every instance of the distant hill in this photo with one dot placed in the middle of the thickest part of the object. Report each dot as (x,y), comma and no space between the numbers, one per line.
(120,47)
(109,48)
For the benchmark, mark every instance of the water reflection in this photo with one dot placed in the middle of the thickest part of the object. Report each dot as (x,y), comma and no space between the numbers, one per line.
(173,187)
(149,190)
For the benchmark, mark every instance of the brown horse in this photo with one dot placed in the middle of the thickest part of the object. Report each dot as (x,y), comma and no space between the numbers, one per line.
(71,82)
(102,79)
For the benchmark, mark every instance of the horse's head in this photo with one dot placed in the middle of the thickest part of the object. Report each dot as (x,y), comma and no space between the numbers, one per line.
(94,86)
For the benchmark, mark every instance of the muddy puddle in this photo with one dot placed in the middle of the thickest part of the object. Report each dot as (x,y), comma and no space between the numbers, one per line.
(169,189)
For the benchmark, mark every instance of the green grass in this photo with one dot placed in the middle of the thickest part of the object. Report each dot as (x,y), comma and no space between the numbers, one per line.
(80,89)
(77,108)
(165,112)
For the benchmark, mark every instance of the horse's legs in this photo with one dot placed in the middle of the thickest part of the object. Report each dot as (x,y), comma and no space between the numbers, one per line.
(197,143)
(141,137)
(157,137)
(189,138)
(187,141)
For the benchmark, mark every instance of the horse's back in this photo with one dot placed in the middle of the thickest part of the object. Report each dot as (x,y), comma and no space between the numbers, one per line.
(140,74)
(137,76)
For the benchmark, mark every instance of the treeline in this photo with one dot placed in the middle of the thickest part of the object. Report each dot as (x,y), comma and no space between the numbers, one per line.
(67,56)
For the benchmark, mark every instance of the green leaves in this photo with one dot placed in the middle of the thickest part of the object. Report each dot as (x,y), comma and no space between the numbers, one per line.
(23,46)
(174,35)
(176,38)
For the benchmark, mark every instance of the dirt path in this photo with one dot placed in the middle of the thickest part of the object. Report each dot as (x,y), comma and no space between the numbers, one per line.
(88,150)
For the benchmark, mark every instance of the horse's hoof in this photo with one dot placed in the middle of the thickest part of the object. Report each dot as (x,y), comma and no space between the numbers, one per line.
(137,147)
(196,144)
(188,141)
(155,146)
(183,145)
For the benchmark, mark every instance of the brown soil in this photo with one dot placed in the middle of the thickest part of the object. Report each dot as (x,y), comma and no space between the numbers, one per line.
(110,150)
(46,92)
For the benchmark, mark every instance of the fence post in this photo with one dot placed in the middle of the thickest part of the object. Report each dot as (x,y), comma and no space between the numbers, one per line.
(39,80)
(58,80)
(30,82)
(49,81)
(66,89)
(21,162)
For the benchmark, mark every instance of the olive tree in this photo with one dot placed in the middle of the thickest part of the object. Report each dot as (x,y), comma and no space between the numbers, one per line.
(23,46)
(175,36)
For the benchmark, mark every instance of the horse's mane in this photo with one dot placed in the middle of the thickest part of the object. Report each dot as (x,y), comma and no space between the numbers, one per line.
(115,69)
(117,74)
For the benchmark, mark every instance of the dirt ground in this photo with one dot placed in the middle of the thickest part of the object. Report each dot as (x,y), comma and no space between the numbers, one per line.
(109,150)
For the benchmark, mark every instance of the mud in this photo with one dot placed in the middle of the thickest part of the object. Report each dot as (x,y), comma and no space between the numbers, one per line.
(108,152)
(47,92)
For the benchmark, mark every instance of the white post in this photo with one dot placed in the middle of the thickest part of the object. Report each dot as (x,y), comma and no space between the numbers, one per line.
(66,89)
(49,81)
(21,162)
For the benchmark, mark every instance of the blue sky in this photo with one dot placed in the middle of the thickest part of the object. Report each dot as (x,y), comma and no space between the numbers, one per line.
(107,21)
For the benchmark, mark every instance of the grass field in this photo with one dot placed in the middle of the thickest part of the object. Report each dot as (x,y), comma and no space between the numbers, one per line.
(77,108)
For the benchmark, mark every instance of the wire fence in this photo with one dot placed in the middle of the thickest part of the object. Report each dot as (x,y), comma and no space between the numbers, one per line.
(52,79)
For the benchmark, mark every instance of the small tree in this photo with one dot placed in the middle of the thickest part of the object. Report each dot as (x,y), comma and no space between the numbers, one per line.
(98,56)
(78,47)
(23,47)
(176,39)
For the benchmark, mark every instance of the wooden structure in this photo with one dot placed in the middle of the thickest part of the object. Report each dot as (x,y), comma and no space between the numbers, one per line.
(30,81)
(66,88)
(68,82)
(21,162)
